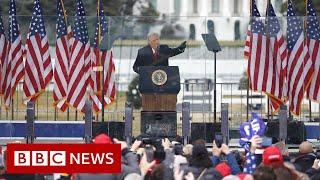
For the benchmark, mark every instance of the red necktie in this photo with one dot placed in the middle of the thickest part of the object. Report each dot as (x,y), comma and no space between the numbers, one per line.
(155,54)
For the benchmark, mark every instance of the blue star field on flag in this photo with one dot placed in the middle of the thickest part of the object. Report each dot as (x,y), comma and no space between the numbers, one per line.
(80,29)
(61,23)
(37,22)
(273,25)
(312,23)
(257,24)
(13,25)
(102,24)
(294,26)
(1,26)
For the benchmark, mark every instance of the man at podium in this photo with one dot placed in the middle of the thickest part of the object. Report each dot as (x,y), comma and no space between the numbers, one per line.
(156,54)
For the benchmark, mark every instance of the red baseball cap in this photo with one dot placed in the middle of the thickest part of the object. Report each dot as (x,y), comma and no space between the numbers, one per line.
(272,156)
(223,168)
(102,139)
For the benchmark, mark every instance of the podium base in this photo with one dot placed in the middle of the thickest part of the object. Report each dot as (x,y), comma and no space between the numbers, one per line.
(159,123)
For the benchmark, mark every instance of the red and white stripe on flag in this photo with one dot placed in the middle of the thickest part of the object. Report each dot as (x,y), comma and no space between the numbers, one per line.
(15,70)
(265,66)
(313,91)
(61,70)
(61,73)
(109,79)
(3,62)
(78,74)
(38,68)
(313,44)
(15,56)
(247,44)
(300,70)
(300,66)
(48,70)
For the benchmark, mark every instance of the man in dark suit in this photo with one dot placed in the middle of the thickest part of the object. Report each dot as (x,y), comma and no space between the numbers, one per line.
(156,54)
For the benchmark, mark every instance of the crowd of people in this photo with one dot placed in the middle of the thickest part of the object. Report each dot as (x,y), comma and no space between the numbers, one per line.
(162,159)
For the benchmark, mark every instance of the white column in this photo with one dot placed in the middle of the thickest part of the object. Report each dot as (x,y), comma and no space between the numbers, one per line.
(246,8)
(184,8)
(203,10)
(227,10)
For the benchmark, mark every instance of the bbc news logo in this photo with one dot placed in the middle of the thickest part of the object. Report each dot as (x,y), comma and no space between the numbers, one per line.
(69,158)
(40,158)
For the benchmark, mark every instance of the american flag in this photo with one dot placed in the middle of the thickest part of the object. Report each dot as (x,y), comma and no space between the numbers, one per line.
(257,55)
(15,67)
(3,56)
(38,68)
(313,43)
(247,43)
(276,60)
(300,66)
(80,61)
(99,58)
(63,57)
(254,13)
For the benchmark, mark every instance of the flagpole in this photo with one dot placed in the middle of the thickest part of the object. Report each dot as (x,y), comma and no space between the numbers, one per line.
(101,63)
(248,80)
(66,21)
(310,112)
(64,11)
(290,115)
(267,34)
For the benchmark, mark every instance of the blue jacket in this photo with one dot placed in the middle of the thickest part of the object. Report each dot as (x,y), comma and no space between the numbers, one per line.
(232,162)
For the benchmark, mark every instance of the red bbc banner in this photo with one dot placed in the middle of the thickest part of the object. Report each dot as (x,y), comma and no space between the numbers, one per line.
(63,158)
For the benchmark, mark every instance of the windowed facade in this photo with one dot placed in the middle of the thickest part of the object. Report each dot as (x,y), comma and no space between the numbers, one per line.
(215,6)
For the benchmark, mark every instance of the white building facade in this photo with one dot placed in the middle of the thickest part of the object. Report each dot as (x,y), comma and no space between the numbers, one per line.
(228,19)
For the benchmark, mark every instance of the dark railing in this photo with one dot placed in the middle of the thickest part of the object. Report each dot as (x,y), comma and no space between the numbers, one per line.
(199,94)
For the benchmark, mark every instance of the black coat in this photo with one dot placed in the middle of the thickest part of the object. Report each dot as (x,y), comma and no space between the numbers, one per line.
(145,56)
(304,162)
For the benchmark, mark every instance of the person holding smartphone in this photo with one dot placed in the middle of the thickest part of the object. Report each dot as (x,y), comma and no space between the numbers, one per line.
(224,150)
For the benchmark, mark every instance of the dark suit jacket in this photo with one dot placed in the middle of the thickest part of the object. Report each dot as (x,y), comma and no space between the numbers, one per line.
(145,56)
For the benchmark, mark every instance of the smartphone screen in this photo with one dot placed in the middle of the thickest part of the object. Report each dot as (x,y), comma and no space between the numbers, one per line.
(218,140)
(150,153)
(266,142)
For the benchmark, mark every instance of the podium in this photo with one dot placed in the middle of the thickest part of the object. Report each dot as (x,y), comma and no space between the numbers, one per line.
(159,86)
